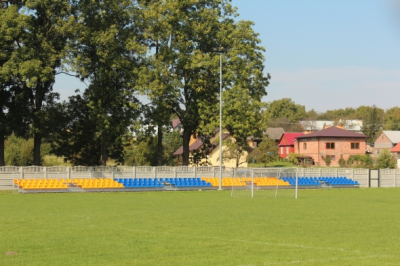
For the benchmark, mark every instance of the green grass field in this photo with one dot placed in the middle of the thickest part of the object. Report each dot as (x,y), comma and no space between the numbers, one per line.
(323,227)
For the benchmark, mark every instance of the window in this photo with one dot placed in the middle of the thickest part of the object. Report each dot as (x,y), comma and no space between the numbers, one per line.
(331,156)
(304,140)
(281,150)
(287,150)
(305,146)
(355,145)
(330,145)
(313,139)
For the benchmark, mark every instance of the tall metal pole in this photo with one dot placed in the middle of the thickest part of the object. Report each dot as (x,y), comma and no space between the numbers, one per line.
(220,121)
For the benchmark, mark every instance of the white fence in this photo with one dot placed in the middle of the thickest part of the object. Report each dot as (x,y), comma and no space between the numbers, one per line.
(387,177)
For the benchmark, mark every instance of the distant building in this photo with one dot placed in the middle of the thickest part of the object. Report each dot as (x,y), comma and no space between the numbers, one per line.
(286,143)
(274,133)
(333,142)
(212,159)
(386,140)
(176,124)
(316,125)
(396,150)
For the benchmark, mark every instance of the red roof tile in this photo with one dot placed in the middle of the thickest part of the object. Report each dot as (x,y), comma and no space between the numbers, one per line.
(290,137)
(396,148)
(333,132)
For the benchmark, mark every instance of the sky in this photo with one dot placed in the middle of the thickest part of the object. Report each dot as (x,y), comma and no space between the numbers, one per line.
(323,54)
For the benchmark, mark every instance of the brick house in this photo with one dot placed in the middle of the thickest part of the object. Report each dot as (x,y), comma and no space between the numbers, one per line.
(396,150)
(333,142)
(286,143)
(386,140)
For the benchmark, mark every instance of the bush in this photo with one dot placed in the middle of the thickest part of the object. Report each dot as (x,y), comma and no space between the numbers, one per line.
(385,160)
(342,162)
(293,158)
(360,160)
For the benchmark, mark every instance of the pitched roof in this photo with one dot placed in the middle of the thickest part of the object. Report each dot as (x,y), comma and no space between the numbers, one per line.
(393,136)
(396,148)
(175,122)
(197,145)
(274,132)
(290,137)
(333,132)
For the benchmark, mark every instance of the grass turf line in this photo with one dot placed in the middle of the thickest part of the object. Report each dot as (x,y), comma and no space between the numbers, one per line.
(322,227)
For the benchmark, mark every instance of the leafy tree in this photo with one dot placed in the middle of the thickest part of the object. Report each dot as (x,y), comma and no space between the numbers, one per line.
(18,151)
(392,119)
(385,160)
(285,108)
(234,151)
(13,101)
(285,123)
(37,54)
(327,160)
(186,73)
(372,117)
(106,53)
(266,152)
(336,114)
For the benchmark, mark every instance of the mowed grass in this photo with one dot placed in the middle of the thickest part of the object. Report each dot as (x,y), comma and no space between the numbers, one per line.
(322,227)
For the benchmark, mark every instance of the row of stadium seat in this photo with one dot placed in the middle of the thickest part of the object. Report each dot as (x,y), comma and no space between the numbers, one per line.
(159,182)
(30,184)
(51,183)
(316,181)
(243,181)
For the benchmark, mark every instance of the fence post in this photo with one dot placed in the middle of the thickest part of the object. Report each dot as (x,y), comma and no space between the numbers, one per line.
(91,172)
(352,174)
(21,170)
(395,177)
(113,173)
(337,172)
(45,172)
(68,172)
(214,172)
(195,171)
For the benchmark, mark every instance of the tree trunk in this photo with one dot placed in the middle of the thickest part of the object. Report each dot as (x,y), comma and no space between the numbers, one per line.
(103,152)
(2,161)
(186,141)
(159,145)
(37,142)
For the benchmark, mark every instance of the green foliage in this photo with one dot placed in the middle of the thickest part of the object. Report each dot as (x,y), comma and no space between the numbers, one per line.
(342,162)
(285,108)
(266,152)
(143,150)
(18,151)
(372,117)
(360,160)
(385,160)
(327,160)
(293,158)
(234,151)
(392,118)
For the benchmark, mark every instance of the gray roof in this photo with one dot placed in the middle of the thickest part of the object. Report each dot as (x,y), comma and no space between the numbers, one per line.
(274,132)
(394,136)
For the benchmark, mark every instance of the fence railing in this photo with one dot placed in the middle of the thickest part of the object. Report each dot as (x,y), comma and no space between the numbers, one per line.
(387,177)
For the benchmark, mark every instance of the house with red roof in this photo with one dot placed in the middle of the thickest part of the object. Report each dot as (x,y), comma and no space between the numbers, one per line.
(334,142)
(396,149)
(286,143)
